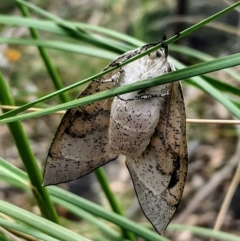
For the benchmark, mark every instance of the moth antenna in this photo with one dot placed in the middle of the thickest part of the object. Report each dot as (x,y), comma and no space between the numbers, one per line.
(164,38)
(166,51)
(120,98)
(165,46)
(177,34)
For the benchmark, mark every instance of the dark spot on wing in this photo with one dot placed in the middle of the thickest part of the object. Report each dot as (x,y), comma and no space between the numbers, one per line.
(158,54)
(175,175)
(160,169)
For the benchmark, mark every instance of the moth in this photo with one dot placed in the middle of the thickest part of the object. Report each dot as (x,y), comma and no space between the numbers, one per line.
(147,126)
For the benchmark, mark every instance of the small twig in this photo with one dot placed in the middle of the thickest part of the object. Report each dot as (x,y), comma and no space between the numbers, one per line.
(208,121)
(10,107)
(213,183)
(190,121)
(227,200)
(9,234)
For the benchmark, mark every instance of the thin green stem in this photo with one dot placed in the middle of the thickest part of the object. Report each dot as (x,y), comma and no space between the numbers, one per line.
(91,219)
(19,229)
(46,59)
(95,209)
(186,73)
(72,30)
(64,98)
(41,224)
(66,24)
(41,195)
(58,85)
(102,179)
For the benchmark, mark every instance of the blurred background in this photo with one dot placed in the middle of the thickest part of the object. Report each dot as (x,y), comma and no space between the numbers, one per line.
(214,149)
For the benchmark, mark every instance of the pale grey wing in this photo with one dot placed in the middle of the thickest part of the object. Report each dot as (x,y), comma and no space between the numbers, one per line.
(159,174)
(81,142)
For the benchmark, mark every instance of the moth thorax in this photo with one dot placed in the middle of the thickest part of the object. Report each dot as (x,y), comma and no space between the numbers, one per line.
(132,123)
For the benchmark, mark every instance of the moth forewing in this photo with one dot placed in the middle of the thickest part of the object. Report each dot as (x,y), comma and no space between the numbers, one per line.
(147,126)
(80,144)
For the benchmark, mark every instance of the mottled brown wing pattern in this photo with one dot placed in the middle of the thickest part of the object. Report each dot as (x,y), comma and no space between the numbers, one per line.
(81,144)
(159,174)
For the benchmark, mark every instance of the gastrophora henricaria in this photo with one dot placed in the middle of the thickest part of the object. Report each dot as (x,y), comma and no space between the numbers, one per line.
(147,126)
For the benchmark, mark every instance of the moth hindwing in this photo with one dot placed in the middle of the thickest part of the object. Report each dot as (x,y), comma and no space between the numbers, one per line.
(147,126)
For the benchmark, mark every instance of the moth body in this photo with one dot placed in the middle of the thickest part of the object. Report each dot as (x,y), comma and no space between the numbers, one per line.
(132,124)
(133,121)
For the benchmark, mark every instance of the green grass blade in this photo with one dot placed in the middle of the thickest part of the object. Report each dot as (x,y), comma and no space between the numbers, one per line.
(102,179)
(46,14)
(71,29)
(45,25)
(236,103)
(3,236)
(108,55)
(54,28)
(222,86)
(181,74)
(26,106)
(211,90)
(101,212)
(201,23)
(76,204)
(46,59)
(205,232)
(186,51)
(90,219)
(76,30)
(13,175)
(63,46)
(18,178)
(110,196)
(22,144)
(52,229)
(58,85)
(26,230)
(15,172)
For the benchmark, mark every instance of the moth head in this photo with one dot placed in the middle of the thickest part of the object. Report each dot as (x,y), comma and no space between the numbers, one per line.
(160,53)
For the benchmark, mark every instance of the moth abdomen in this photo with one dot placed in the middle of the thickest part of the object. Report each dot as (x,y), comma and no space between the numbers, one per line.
(132,123)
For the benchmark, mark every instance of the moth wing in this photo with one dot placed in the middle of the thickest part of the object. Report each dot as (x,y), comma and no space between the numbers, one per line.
(81,142)
(159,174)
